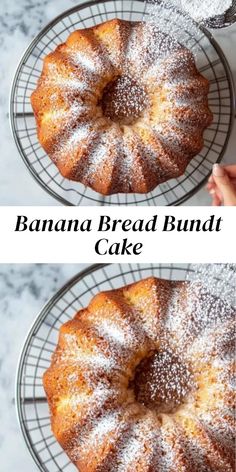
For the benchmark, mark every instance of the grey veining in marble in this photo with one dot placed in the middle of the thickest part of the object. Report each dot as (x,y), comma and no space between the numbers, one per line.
(24,289)
(20,21)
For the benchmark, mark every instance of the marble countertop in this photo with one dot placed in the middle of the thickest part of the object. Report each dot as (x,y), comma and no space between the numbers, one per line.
(24,289)
(20,21)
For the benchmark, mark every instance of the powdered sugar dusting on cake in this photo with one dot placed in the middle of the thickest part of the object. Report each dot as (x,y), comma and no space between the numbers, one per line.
(96,158)
(141,441)
(72,142)
(135,68)
(58,115)
(85,61)
(102,427)
(92,359)
(163,381)
(77,399)
(99,155)
(58,80)
(127,164)
(112,331)
(218,280)
(206,307)
(80,133)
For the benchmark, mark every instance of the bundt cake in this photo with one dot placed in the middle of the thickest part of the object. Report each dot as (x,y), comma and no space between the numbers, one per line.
(121,107)
(142,381)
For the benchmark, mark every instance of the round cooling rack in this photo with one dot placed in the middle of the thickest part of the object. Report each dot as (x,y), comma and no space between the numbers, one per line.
(211,63)
(32,408)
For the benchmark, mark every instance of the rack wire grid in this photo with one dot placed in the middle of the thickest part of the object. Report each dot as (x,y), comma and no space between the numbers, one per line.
(32,408)
(210,61)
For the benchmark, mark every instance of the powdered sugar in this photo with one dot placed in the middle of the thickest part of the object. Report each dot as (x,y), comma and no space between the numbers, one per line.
(179,367)
(57,115)
(72,142)
(218,280)
(103,427)
(113,332)
(80,133)
(134,73)
(163,381)
(90,359)
(77,399)
(84,61)
(201,10)
(140,442)
(58,80)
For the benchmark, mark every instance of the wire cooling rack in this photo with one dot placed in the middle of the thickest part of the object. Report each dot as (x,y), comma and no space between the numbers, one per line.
(32,408)
(41,341)
(211,63)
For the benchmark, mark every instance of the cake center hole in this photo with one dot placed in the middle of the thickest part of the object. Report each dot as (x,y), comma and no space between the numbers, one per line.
(124,100)
(162,381)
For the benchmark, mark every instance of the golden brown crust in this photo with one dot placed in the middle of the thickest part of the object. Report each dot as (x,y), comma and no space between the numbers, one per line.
(106,155)
(91,385)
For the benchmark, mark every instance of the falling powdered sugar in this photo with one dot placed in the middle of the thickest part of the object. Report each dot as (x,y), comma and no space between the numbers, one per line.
(218,280)
(170,20)
(208,304)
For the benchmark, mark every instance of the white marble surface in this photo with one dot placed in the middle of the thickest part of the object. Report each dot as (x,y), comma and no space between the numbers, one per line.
(24,289)
(20,21)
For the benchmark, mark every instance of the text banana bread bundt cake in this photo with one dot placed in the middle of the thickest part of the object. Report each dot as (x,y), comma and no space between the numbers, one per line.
(121,107)
(142,381)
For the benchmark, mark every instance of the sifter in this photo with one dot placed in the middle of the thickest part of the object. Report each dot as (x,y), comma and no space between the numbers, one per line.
(223,20)
(210,60)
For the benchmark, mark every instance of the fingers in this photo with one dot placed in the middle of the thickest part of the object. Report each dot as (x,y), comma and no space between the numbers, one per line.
(224,185)
(212,182)
(217,199)
(210,186)
(231,170)
(211,179)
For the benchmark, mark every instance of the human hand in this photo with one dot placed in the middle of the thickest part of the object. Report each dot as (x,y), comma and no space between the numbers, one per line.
(222,185)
